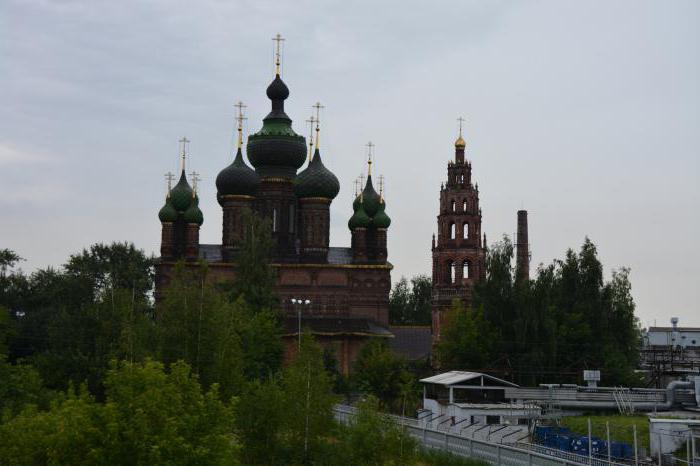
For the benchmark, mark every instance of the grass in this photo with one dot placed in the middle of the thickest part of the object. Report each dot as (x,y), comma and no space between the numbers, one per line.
(621,429)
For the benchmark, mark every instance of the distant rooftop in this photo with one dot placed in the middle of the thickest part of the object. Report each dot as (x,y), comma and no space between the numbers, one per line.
(459,377)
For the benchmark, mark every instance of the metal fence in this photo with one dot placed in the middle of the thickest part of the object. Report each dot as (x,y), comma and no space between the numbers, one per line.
(493,453)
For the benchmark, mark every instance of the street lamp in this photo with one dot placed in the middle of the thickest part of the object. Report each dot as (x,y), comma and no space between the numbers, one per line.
(299,303)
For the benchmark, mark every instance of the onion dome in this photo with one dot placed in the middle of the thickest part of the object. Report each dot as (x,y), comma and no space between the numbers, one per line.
(459,143)
(276,150)
(370,198)
(381,219)
(237,179)
(167,213)
(316,180)
(359,219)
(193,214)
(181,195)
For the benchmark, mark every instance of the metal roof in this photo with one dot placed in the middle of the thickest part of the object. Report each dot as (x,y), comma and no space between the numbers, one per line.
(457,377)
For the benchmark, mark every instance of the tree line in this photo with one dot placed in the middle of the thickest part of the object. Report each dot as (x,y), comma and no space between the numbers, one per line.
(94,372)
(548,329)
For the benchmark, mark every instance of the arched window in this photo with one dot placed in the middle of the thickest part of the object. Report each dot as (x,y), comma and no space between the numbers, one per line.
(464,205)
(451,269)
(465,269)
(453,206)
(461,179)
(274,219)
(452,230)
(465,230)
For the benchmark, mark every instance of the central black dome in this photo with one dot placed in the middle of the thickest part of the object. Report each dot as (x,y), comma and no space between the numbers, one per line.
(276,150)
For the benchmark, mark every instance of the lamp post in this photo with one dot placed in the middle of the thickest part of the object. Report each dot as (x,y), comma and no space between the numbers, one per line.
(298,303)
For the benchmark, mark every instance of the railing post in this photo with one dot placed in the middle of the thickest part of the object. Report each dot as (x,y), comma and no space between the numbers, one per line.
(471,447)
(446,441)
(529,458)
(636,456)
(498,454)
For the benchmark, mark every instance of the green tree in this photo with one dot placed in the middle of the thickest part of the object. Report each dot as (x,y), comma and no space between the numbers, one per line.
(308,401)
(255,277)
(196,323)
(382,373)
(260,412)
(150,417)
(467,340)
(372,438)
(411,305)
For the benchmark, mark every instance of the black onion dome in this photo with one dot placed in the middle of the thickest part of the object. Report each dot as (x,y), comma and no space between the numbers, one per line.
(370,198)
(277,90)
(316,180)
(237,179)
(276,150)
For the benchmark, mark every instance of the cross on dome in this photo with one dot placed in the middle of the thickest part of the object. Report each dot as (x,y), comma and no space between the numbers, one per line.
(278,39)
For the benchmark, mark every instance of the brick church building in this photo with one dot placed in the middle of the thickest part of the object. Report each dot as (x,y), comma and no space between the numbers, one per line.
(347,288)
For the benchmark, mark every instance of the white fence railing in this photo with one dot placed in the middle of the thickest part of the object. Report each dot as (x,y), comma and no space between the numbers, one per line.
(494,453)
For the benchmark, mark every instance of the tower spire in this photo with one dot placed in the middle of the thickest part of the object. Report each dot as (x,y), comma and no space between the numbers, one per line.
(370,146)
(240,118)
(381,187)
(183,151)
(278,39)
(459,143)
(318,108)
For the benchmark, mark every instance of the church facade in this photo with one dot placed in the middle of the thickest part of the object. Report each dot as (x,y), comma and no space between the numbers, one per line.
(344,291)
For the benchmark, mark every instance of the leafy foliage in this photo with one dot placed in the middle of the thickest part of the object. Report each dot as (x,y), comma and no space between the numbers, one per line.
(382,373)
(411,305)
(549,328)
(150,417)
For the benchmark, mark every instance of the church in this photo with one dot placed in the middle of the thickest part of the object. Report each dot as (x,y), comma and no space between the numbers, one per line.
(340,294)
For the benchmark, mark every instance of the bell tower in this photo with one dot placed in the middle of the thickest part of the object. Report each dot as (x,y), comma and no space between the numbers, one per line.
(458,251)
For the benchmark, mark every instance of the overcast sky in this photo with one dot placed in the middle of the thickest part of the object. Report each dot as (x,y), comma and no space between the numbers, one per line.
(587,114)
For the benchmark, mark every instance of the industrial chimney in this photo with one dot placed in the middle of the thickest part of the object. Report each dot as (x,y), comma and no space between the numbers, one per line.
(522,249)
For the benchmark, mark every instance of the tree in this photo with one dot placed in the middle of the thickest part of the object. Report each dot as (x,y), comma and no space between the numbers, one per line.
(411,305)
(255,277)
(372,438)
(467,340)
(150,417)
(260,411)
(196,323)
(308,401)
(382,373)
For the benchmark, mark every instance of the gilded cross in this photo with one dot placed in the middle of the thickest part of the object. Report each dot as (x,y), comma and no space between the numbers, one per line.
(370,146)
(317,106)
(311,122)
(169,177)
(278,39)
(461,121)
(195,180)
(240,118)
(183,148)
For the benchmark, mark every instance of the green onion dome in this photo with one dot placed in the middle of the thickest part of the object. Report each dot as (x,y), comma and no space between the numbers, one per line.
(237,179)
(167,213)
(370,198)
(276,150)
(193,214)
(359,219)
(381,219)
(181,195)
(316,180)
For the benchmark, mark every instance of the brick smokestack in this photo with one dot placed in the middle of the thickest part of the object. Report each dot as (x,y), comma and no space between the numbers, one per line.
(522,249)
